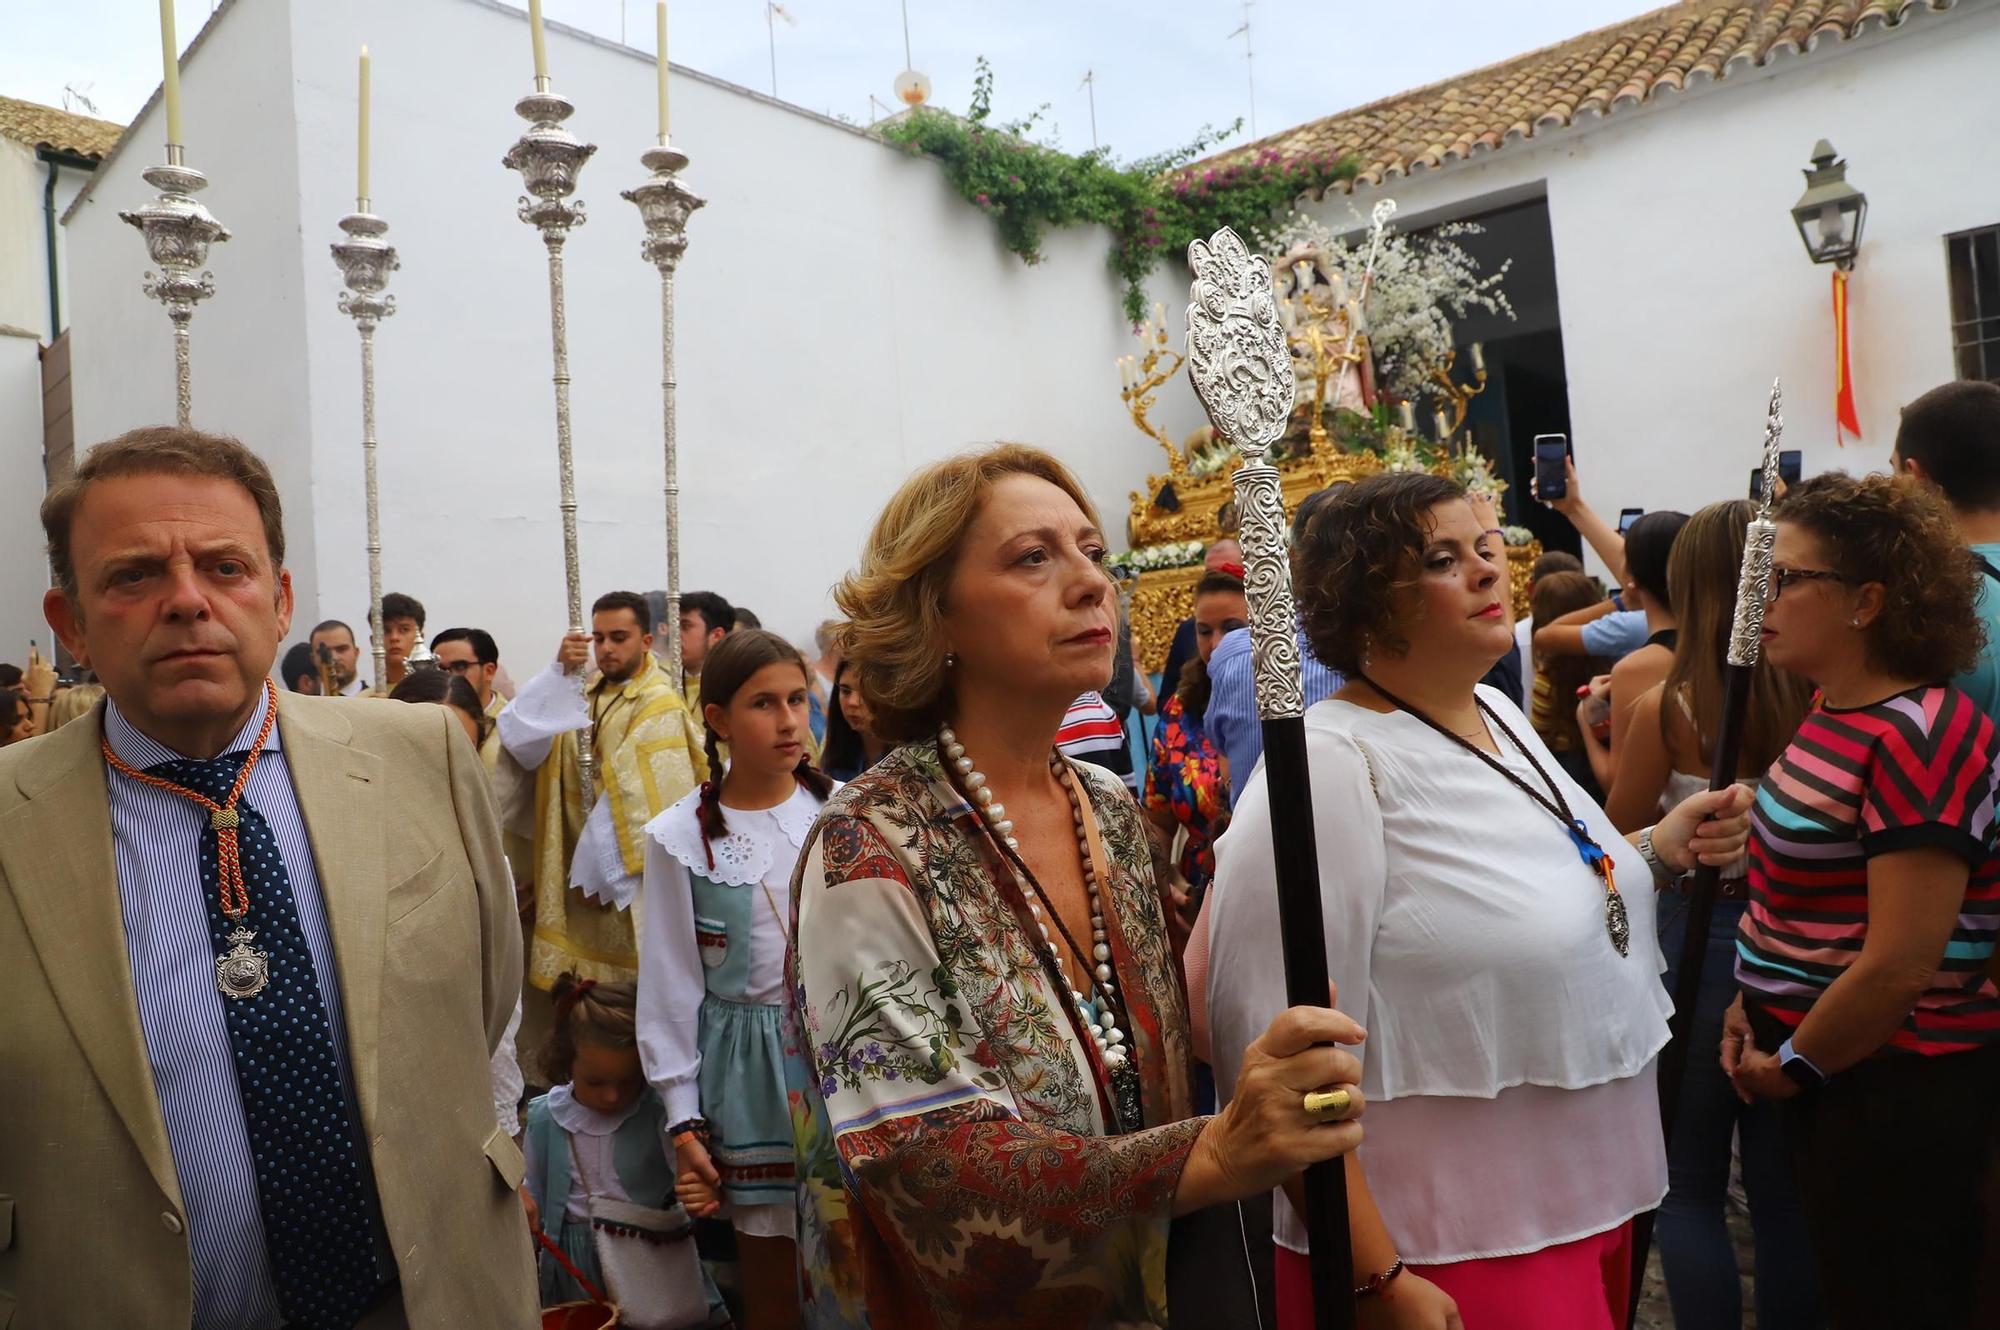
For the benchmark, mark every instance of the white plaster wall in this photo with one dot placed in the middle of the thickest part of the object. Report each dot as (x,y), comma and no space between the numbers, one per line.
(24,305)
(23,286)
(842,318)
(1683,286)
(249,365)
(23,567)
(24,267)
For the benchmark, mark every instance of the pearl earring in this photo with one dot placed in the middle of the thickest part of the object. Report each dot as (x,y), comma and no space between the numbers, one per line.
(951,660)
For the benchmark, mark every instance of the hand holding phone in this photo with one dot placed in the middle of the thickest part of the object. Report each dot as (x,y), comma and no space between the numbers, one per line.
(1551,467)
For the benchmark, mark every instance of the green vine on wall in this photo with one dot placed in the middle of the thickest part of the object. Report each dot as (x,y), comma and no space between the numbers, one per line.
(1152,206)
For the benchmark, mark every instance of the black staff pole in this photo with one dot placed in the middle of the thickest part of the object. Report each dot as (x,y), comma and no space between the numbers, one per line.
(1745,646)
(1241,368)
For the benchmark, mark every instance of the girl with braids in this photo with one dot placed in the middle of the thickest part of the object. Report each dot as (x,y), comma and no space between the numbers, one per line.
(717,896)
(597,1134)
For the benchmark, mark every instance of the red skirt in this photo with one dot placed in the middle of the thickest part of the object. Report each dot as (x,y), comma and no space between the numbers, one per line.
(1581,1285)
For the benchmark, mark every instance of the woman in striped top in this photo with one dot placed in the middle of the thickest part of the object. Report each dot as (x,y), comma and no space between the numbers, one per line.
(1868,1006)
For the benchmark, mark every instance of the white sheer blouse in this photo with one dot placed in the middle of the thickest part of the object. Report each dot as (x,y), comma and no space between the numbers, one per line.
(1510,1054)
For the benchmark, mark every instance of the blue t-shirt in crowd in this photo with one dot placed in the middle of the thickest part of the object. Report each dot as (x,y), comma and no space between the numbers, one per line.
(1231,719)
(1615,635)
(1982,682)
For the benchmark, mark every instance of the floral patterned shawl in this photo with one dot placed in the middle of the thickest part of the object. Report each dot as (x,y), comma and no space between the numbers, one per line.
(953,1157)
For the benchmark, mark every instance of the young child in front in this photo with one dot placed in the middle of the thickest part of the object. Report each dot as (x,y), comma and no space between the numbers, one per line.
(715,918)
(597,1133)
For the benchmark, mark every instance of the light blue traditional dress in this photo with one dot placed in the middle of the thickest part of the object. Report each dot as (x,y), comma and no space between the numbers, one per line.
(574,1153)
(711,1013)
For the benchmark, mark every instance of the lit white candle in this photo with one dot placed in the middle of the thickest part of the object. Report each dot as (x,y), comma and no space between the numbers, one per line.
(361,140)
(170,71)
(1443,427)
(1478,358)
(660,20)
(541,43)
(1409,410)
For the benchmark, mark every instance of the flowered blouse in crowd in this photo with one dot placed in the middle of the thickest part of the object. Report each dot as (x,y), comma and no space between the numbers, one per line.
(957,1154)
(1185,779)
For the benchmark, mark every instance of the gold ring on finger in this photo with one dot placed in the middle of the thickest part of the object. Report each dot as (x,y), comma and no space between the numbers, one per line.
(1328,1105)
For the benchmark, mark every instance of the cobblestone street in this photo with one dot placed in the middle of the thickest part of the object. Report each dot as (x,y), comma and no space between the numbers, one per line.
(1654,1314)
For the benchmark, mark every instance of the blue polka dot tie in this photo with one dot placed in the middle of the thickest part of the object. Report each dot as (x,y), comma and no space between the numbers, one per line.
(318,1218)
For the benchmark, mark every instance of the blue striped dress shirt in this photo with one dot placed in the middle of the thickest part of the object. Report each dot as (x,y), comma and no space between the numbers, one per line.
(1231,718)
(157,836)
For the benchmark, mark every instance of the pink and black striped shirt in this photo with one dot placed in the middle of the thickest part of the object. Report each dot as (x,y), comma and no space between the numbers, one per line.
(1915,770)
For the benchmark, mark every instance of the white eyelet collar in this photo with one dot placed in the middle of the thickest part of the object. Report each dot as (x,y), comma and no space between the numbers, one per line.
(746,854)
(577,1120)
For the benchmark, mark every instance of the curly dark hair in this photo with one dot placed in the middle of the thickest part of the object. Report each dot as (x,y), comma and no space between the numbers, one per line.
(1363,546)
(1895,531)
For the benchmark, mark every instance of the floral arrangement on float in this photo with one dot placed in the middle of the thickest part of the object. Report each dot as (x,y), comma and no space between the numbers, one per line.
(1155,558)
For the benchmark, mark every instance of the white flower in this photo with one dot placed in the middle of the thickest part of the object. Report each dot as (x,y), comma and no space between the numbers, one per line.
(1420,285)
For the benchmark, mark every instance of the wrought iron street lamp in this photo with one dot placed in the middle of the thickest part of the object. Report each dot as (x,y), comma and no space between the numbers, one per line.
(1830,213)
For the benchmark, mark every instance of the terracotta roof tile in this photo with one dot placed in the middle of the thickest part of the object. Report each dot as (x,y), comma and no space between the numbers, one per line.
(1600,73)
(41,126)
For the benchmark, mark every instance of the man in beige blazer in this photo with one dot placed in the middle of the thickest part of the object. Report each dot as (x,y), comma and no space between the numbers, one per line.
(141,1182)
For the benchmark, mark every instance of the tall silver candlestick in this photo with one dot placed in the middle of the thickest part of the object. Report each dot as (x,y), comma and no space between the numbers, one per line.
(665,204)
(548,158)
(178,231)
(366,260)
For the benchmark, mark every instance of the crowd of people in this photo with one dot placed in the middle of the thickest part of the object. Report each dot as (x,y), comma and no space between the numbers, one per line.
(889,983)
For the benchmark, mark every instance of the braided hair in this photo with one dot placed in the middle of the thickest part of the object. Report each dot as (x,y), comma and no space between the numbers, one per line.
(731,663)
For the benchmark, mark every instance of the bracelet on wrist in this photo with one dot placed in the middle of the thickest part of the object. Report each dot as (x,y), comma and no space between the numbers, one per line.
(1376,1283)
(695,1127)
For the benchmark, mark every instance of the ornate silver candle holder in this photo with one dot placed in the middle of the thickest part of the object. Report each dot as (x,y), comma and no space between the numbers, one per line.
(178,231)
(665,204)
(366,260)
(549,157)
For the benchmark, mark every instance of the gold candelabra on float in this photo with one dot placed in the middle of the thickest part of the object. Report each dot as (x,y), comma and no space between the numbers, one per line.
(1141,378)
(1457,395)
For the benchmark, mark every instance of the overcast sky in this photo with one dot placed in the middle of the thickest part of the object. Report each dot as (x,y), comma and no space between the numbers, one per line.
(1163,69)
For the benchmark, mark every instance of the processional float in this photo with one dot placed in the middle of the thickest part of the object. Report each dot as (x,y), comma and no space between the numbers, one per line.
(365,260)
(549,156)
(1241,367)
(1746,644)
(665,204)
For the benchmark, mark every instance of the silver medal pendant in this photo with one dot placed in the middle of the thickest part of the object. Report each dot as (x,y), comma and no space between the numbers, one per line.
(1616,924)
(242,972)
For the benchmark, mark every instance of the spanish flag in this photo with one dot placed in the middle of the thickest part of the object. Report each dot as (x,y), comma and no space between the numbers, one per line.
(1843,380)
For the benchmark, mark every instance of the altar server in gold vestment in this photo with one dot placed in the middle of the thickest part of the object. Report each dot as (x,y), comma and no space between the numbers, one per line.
(589,861)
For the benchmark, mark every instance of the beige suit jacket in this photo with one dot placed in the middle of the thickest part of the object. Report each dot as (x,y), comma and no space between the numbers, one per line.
(428,951)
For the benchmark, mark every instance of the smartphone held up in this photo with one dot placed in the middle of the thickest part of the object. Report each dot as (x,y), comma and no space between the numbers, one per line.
(1552,454)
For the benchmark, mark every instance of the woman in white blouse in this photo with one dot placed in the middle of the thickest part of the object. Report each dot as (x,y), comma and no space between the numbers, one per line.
(1475,926)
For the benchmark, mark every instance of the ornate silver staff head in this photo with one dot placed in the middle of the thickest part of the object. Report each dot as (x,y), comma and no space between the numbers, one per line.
(178,231)
(548,156)
(365,260)
(421,657)
(1746,633)
(1241,368)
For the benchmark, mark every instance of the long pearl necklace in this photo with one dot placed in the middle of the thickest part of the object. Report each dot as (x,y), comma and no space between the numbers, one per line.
(1098,1008)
